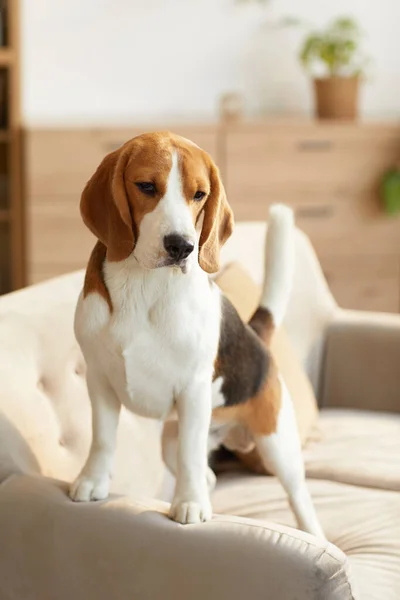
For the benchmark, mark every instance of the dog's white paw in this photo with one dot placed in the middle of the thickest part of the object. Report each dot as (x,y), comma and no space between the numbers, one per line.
(87,488)
(190,511)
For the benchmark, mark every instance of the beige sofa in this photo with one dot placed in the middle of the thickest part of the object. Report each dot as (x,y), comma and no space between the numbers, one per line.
(53,549)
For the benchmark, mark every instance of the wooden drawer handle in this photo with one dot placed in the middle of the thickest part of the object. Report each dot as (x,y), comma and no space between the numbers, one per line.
(315,145)
(315,212)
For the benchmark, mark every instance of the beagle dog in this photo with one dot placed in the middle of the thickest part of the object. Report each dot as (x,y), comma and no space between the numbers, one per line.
(158,336)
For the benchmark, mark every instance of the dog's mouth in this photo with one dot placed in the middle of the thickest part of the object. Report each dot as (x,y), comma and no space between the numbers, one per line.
(183,265)
(177,264)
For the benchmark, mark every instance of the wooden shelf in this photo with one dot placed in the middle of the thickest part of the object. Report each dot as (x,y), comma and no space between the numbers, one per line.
(12,239)
(6,56)
(4,136)
(4,215)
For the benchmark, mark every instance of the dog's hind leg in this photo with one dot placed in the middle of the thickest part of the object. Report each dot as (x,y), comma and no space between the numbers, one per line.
(282,456)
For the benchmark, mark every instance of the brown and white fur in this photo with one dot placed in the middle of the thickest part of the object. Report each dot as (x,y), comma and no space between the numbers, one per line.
(159,337)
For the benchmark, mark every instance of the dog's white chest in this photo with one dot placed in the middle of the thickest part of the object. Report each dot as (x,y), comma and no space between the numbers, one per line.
(159,357)
(163,333)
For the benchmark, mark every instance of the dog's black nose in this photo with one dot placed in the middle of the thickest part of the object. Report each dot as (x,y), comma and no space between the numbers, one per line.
(177,247)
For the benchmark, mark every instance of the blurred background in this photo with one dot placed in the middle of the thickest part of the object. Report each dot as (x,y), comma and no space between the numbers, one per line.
(298,102)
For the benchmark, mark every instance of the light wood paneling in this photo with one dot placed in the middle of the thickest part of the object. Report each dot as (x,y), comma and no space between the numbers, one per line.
(364,282)
(330,174)
(310,164)
(59,241)
(339,226)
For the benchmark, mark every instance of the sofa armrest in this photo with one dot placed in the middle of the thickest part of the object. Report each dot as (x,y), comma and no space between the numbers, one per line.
(53,548)
(362,362)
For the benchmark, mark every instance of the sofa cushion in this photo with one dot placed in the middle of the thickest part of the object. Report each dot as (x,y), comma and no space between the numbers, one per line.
(356,447)
(44,405)
(244,294)
(240,288)
(364,523)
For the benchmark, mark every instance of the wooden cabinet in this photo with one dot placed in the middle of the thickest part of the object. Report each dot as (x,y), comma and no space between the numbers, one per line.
(367,282)
(328,172)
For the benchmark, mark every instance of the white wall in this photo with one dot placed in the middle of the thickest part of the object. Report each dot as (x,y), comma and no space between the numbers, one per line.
(97,61)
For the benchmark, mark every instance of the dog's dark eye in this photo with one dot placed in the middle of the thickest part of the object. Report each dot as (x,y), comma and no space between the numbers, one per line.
(146,187)
(199,195)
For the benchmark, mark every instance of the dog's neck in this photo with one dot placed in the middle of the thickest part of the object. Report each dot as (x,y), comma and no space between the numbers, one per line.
(130,284)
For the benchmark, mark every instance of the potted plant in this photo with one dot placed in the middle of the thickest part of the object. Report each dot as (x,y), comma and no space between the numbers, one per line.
(334,57)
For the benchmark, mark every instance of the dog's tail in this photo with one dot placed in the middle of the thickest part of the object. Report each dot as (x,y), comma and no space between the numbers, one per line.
(278,274)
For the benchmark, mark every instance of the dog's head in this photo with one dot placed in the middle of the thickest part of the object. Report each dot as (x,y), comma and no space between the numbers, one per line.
(159,198)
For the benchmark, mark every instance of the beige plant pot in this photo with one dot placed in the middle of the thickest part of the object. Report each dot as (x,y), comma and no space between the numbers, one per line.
(337,97)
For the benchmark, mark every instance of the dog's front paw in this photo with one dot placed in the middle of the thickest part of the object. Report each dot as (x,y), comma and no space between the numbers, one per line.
(86,488)
(190,511)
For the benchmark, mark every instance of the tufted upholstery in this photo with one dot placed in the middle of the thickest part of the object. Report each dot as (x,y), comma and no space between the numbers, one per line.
(45,409)
(125,547)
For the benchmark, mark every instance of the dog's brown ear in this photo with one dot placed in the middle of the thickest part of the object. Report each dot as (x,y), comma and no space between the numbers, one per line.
(105,207)
(217,224)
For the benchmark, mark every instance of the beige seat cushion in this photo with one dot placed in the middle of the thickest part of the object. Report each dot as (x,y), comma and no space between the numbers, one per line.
(364,523)
(356,447)
(244,294)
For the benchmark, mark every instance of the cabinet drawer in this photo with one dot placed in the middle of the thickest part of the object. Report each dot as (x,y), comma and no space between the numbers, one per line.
(57,241)
(62,161)
(348,227)
(306,163)
(364,282)
(336,225)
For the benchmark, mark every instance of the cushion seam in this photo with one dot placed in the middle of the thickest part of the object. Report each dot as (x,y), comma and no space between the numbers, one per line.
(341,570)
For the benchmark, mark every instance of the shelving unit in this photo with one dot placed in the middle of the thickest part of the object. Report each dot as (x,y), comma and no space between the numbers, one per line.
(11,213)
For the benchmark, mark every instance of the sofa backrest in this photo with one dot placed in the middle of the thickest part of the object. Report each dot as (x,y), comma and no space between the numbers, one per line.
(44,405)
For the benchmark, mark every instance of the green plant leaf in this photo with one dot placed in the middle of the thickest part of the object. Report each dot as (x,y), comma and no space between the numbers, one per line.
(338,47)
(345,26)
(311,49)
(390,190)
